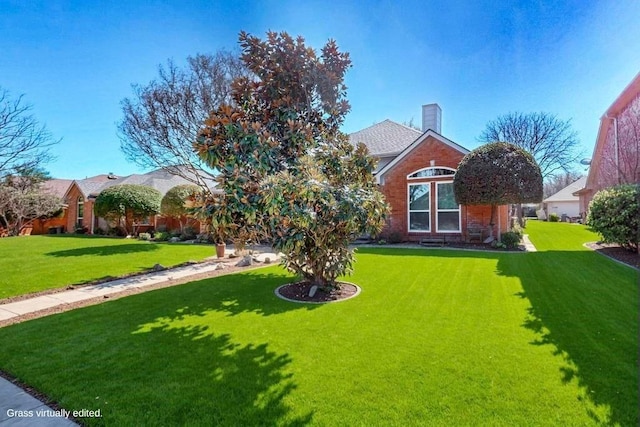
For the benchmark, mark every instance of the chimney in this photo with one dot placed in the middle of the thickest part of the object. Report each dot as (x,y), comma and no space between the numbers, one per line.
(431,117)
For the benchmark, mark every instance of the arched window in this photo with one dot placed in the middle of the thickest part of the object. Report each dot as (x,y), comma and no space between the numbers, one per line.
(432,171)
(80,211)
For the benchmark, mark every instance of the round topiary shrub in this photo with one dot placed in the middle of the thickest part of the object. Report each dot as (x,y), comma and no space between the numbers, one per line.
(614,213)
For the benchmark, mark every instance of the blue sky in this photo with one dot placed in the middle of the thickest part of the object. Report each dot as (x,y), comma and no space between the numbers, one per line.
(76,60)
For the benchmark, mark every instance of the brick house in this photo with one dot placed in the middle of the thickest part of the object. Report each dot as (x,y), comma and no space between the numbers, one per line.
(80,196)
(58,188)
(415,173)
(616,155)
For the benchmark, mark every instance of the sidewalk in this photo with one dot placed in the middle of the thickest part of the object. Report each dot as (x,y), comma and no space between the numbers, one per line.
(17,407)
(19,308)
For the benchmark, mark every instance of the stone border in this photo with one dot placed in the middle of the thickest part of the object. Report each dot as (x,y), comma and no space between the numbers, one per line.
(586,245)
(277,292)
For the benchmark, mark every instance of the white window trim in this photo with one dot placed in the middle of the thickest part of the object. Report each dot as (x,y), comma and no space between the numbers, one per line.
(431,177)
(79,201)
(409,230)
(459,210)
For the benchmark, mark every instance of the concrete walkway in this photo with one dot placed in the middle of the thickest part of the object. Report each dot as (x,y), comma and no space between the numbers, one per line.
(19,408)
(19,308)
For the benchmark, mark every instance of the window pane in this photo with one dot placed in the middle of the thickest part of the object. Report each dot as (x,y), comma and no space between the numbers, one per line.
(432,172)
(449,221)
(419,221)
(446,198)
(419,197)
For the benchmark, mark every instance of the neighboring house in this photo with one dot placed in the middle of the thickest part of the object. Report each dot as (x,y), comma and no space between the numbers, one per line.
(564,202)
(415,173)
(616,155)
(82,195)
(58,224)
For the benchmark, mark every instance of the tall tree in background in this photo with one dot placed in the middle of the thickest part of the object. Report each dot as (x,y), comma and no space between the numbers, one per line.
(497,174)
(286,170)
(551,141)
(162,119)
(24,143)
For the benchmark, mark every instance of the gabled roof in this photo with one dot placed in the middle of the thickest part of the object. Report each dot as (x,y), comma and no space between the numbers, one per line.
(92,186)
(57,187)
(566,194)
(386,138)
(416,143)
(160,179)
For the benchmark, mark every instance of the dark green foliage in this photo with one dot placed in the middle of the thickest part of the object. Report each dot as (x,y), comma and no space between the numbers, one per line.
(615,214)
(498,174)
(173,204)
(129,201)
(511,239)
(554,217)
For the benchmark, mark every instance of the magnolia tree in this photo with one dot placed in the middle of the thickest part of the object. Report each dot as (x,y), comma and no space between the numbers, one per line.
(321,205)
(497,174)
(282,133)
(176,203)
(127,203)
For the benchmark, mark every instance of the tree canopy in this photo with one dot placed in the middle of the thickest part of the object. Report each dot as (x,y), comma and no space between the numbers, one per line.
(174,203)
(550,140)
(282,133)
(129,202)
(497,174)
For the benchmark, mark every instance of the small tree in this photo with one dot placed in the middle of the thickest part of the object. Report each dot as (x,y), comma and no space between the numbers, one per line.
(614,213)
(322,205)
(22,199)
(175,204)
(127,202)
(497,174)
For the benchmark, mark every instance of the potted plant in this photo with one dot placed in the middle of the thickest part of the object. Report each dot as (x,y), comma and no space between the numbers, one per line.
(220,236)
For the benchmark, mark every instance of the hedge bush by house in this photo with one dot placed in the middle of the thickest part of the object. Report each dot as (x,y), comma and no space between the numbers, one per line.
(614,213)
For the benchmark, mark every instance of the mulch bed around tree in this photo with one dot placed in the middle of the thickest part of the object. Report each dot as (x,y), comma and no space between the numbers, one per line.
(299,291)
(616,252)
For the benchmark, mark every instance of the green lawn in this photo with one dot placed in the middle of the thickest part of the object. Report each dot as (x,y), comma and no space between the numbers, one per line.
(436,337)
(35,263)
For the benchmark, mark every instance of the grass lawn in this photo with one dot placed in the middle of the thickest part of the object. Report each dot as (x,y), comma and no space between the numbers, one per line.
(436,337)
(35,263)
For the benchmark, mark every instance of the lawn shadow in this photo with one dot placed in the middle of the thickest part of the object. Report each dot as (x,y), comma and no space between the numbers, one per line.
(218,381)
(586,307)
(247,292)
(106,250)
